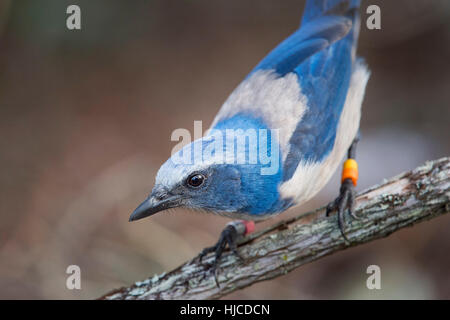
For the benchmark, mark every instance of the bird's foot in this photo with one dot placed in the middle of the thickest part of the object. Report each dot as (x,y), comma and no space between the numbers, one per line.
(346,199)
(229,236)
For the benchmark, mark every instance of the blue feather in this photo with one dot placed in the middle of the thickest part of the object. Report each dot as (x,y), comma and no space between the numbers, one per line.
(318,8)
(259,192)
(305,42)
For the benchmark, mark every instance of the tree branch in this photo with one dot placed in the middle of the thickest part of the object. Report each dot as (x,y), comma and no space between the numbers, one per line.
(402,201)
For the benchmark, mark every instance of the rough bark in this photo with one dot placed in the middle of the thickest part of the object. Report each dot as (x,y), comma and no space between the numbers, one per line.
(399,202)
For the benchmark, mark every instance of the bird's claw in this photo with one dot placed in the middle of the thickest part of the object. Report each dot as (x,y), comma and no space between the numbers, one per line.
(346,199)
(228,237)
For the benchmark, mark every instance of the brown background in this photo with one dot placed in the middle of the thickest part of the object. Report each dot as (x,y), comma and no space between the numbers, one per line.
(86,118)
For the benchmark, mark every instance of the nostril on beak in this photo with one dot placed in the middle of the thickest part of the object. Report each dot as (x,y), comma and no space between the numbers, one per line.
(160,197)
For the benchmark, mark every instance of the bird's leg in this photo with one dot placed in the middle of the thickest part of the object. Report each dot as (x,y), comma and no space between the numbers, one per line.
(229,236)
(346,198)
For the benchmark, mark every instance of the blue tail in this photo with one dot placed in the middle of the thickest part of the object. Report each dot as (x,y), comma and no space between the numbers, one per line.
(317,8)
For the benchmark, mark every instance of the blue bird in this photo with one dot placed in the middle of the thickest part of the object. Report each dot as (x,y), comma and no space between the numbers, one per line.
(280,135)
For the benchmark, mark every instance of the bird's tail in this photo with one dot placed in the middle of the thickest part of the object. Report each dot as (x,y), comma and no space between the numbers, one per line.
(315,9)
(318,8)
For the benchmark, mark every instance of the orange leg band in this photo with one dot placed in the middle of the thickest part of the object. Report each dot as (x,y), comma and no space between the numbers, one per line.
(350,171)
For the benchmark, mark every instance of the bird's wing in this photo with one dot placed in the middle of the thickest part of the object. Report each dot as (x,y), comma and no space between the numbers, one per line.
(300,87)
(305,42)
(324,79)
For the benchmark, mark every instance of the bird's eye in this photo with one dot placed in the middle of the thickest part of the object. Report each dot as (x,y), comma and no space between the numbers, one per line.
(196,180)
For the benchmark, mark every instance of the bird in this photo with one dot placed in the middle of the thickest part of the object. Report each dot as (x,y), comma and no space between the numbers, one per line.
(280,135)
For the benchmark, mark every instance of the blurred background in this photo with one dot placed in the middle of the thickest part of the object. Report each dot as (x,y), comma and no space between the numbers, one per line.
(86,118)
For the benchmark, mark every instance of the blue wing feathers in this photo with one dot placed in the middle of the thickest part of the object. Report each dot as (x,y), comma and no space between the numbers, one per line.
(320,53)
(324,79)
(318,8)
(304,43)
(288,57)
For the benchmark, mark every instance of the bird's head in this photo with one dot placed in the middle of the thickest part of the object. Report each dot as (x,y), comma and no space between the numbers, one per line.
(207,175)
(207,185)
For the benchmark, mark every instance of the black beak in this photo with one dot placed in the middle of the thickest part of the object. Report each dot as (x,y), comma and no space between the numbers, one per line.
(152,205)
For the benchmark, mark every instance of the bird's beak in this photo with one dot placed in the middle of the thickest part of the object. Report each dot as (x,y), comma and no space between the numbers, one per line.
(152,205)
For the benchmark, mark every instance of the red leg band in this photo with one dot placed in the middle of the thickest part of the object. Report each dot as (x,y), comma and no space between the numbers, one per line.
(249,226)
